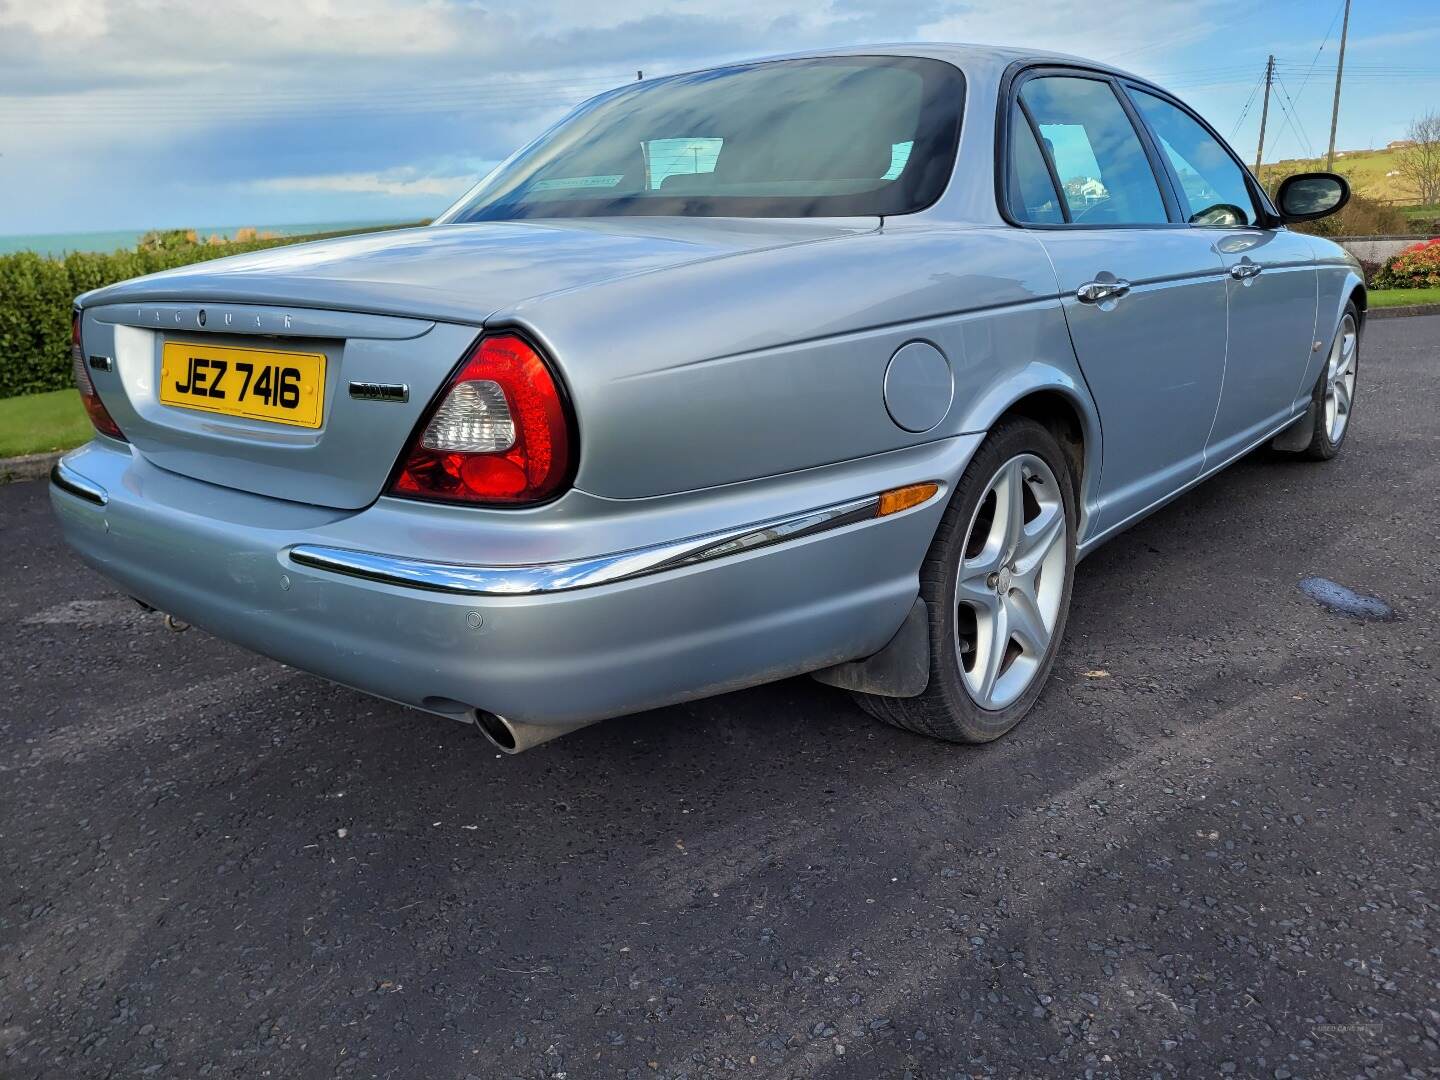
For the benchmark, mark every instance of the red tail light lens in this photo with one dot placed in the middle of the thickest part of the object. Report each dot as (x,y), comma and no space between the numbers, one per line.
(498,434)
(99,416)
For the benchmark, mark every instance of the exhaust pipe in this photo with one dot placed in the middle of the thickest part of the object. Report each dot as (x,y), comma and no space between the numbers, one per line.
(510,737)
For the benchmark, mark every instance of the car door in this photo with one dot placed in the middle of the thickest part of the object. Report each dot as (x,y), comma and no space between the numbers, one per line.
(1144,296)
(1272,287)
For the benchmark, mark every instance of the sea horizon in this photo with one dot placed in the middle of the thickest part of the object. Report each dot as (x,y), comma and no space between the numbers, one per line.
(108,240)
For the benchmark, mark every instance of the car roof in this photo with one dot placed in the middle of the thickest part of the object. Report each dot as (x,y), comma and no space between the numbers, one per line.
(959,53)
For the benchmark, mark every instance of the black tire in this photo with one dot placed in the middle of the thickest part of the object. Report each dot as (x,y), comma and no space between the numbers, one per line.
(946,710)
(1321,447)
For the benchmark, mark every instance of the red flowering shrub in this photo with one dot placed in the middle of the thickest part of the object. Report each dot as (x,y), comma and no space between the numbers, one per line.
(1416,267)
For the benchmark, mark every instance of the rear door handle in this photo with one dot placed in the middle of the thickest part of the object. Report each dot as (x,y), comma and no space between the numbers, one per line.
(1242,271)
(1095,292)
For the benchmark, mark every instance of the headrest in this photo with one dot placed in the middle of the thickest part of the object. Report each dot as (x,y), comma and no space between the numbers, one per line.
(775,160)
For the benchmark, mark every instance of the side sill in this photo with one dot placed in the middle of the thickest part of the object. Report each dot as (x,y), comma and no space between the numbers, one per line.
(1088,546)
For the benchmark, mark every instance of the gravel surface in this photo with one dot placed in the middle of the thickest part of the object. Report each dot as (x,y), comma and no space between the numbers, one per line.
(1211,850)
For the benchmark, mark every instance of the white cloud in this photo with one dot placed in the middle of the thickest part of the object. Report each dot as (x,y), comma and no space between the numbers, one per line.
(92,72)
(224,103)
(1410,36)
(1129,28)
(68,18)
(397,183)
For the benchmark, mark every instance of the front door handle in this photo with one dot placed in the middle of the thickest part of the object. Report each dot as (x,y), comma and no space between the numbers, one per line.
(1243,271)
(1095,292)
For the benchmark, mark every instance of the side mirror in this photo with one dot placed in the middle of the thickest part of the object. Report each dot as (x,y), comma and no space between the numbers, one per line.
(1307,196)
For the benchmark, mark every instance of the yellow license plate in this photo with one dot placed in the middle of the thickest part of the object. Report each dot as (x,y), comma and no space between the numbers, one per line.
(258,384)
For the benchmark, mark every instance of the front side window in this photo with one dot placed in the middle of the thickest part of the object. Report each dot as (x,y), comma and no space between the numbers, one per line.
(1212,184)
(834,136)
(1104,174)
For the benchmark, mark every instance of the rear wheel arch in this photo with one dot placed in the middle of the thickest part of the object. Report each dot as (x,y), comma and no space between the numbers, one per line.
(1017,451)
(900,670)
(1075,428)
(1360,297)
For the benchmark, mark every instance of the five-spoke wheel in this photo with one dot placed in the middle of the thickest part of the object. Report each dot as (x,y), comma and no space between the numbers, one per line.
(996,586)
(1012,578)
(1340,378)
(1317,434)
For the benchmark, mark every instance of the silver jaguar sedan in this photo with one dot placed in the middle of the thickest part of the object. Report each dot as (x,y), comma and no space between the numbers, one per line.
(833,363)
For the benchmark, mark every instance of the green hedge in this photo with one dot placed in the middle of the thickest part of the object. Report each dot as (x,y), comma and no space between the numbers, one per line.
(36,294)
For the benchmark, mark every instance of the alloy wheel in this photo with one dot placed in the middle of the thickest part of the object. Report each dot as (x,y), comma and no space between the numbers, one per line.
(1340,380)
(1011,581)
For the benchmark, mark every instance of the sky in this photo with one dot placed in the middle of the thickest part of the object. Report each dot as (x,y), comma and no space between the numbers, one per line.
(130,114)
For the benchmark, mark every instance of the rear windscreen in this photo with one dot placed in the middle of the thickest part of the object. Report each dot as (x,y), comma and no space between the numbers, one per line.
(836,136)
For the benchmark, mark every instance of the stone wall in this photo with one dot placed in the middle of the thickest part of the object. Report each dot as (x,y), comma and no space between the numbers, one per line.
(1376,249)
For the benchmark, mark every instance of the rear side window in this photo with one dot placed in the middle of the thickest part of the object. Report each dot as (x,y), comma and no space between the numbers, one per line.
(1033,197)
(1105,175)
(1212,184)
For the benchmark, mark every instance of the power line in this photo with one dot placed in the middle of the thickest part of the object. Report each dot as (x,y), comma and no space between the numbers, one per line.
(1295,108)
(1358,70)
(1292,120)
(1190,33)
(1185,73)
(1257,11)
(1245,110)
(1323,42)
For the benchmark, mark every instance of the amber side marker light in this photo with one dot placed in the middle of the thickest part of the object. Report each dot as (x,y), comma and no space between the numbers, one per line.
(903,498)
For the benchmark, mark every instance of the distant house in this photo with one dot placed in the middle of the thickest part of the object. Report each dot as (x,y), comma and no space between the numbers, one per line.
(1399,144)
(1085,189)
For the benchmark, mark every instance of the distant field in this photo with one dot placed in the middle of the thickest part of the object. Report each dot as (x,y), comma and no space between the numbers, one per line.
(1365,169)
(1423,214)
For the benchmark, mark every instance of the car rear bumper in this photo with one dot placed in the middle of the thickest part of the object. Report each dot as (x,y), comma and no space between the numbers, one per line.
(273,577)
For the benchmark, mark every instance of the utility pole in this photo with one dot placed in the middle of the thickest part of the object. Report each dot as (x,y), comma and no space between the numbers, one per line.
(1339,72)
(1264,112)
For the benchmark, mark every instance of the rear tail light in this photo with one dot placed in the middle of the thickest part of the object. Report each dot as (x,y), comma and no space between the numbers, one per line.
(99,416)
(498,434)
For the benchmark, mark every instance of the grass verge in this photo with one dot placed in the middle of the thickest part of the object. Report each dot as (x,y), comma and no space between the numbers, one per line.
(36,423)
(1403,297)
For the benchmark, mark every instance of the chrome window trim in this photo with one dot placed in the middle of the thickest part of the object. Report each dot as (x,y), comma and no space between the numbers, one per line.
(465,580)
(72,483)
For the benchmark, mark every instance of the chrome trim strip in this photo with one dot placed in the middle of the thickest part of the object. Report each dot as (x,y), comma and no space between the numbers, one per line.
(72,483)
(581,573)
